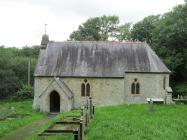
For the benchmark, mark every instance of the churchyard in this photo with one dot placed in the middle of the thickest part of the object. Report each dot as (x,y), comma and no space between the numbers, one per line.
(120,122)
(14,115)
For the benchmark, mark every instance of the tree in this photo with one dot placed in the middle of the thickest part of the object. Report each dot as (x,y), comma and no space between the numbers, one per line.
(8,84)
(14,67)
(171,30)
(124,32)
(98,28)
(87,31)
(108,27)
(143,30)
(8,80)
(169,39)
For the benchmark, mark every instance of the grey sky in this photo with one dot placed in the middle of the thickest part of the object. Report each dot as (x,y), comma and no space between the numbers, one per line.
(22,21)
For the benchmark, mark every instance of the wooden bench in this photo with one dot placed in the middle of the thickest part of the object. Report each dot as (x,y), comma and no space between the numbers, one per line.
(155,100)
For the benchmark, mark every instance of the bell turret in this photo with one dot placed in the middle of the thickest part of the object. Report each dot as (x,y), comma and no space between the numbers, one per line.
(45,39)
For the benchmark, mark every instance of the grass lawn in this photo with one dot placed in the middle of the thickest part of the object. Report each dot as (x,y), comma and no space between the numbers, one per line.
(23,109)
(133,122)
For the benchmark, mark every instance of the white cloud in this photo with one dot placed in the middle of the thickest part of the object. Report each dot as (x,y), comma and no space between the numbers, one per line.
(22,21)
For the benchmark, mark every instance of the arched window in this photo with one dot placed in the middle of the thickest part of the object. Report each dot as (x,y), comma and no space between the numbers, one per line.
(82,89)
(135,87)
(164,82)
(85,88)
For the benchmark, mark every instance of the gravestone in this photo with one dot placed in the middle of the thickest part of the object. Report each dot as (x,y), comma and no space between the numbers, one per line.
(12,112)
(3,114)
(151,105)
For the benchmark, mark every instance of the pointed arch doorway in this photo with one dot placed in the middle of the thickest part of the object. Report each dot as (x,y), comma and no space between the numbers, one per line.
(54,102)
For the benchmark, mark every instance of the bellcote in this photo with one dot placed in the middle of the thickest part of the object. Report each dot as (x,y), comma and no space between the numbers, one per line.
(44,41)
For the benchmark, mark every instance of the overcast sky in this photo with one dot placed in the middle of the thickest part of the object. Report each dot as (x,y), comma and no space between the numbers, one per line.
(22,21)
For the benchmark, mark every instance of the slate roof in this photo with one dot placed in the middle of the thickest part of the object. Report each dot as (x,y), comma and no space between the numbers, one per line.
(97,59)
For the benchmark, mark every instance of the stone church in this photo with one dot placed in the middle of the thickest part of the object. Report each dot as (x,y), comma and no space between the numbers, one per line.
(111,73)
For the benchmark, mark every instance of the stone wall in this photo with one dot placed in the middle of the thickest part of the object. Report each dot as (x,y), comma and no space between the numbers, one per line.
(151,86)
(105,91)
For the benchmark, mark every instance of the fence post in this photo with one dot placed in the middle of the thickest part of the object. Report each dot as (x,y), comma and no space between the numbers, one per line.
(87,102)
(81,129)
(86,118)
(82,111)
(91,108)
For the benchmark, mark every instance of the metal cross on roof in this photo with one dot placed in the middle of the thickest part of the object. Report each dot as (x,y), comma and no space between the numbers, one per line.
(45,27)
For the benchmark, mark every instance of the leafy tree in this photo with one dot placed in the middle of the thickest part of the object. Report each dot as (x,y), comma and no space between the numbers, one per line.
(8,83)
(171,30)
(29,51)
(88,30)
(170,40)
(143,30)
(108,27)
(20,66)
(124,32)
(98,28)
(8,80)
(14,67)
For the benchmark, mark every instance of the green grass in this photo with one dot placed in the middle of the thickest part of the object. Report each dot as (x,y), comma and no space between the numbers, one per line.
(132,122)
(135,122)
(21,108)
(123,122)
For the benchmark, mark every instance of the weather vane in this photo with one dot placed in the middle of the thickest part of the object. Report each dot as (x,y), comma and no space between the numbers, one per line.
(45,27)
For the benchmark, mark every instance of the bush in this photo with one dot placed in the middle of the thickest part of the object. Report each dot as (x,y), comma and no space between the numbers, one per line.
(181,89)
(26,92)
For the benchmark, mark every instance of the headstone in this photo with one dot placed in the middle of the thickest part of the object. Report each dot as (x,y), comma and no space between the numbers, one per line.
(3,114)
(181,97)
(12,112)
(151,106)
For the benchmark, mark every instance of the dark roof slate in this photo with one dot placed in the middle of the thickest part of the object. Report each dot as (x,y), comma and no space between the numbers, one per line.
(97,59)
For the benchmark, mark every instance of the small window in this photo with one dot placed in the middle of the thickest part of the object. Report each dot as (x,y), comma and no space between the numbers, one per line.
(85,88)
(82,89)
(164,82)
(135,87)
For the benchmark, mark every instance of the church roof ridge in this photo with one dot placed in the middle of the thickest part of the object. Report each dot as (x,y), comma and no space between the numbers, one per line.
(97,59)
